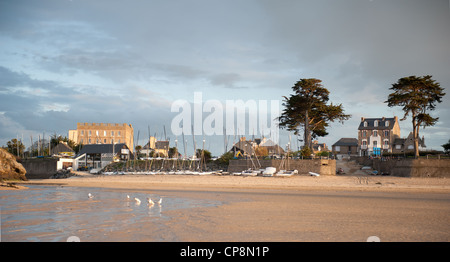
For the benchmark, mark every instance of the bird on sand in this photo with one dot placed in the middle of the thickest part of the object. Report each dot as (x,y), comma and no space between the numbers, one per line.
(90,195)
(137,200)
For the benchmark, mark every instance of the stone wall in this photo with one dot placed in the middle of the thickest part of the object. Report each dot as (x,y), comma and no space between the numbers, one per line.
(321,166)
(39,168)
(409,167)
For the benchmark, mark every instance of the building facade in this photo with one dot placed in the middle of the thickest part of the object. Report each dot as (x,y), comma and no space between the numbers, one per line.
(345,147)
(377,135)
(97,156)
(103,133)
(406,145)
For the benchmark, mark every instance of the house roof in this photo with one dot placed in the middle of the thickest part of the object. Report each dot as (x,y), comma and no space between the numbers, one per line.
(345,141)
(102,148)
(61,147)
(381,123)
(244,146)
(409,140)
(162,145)
(247,146)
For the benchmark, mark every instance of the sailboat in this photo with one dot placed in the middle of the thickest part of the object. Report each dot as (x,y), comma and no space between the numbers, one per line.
(269,171)
(285,161)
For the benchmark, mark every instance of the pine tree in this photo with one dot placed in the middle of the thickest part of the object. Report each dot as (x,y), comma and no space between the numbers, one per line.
(308,108)
(416,95)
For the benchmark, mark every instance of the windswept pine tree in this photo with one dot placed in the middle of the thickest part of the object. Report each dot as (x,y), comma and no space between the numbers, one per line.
(307,108)
(417,96)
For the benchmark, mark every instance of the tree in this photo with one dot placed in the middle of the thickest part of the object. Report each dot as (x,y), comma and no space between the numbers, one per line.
(173,152)
(416,95)
(446,147)
(55,140)
(15,147)
(308,108)
(305,152)
(226,157)
(261,151)
(206,154)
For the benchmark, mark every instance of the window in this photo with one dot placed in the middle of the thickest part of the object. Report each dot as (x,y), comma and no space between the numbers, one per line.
(96,132)
(89,140)
(118,133)
(375,133)
(365,124)
(386,123)
(118,141)
(386,132)
(82,132)
(364,143)
(112,133)
(386,142)
(104,134)
(364,133)
(104,141)
(375,143)
(375,123)
(90,133)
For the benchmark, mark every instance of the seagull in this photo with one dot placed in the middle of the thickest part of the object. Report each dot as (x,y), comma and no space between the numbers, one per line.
(90,195)
(128,197)
(160,201)
(150,201)
(137,200)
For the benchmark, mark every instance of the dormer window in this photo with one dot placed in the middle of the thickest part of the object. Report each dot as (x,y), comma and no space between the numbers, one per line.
(375,123)
(365,124)
(386,123)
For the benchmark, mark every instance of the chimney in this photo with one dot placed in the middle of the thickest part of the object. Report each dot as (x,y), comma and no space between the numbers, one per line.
(362,119)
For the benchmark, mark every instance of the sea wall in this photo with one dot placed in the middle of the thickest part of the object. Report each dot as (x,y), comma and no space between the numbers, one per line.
(409,167)
(321,166)
(40,168)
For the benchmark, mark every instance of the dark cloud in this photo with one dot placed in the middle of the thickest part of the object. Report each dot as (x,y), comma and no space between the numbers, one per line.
(122,61)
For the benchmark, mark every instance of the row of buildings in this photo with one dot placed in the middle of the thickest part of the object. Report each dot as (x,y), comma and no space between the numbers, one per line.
(377,136)
(103,143)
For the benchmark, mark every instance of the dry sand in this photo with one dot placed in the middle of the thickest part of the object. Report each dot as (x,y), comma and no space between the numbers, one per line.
(221,183)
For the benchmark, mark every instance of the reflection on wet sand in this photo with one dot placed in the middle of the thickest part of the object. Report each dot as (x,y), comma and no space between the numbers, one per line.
(53,213)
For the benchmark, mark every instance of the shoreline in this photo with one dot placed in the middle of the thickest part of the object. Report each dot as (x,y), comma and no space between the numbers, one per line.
(248,183)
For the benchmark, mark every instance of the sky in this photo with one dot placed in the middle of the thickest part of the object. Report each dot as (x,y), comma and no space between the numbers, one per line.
(110,61)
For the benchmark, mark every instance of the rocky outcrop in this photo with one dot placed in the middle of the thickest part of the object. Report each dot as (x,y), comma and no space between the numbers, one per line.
(62,174)
(10,169)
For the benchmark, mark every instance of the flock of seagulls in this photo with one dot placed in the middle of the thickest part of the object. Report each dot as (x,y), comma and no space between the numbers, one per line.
(137,200)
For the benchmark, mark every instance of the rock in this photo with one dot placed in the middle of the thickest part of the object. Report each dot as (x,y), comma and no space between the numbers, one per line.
(10,169)
(62,174)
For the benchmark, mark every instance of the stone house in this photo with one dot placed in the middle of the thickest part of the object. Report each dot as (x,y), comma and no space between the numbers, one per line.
(345,147)
(377,135)
(406,145)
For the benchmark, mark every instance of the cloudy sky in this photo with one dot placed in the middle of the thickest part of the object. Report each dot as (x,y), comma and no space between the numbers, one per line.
(63,62)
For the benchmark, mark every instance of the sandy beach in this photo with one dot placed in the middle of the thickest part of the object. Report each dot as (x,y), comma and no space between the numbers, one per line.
(298,208)
(350,207)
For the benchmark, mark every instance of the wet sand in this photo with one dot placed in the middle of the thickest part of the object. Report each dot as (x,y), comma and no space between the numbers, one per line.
(299,208)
